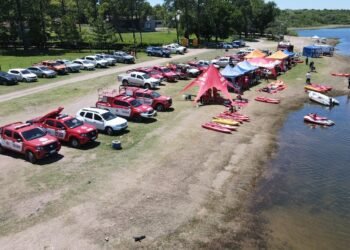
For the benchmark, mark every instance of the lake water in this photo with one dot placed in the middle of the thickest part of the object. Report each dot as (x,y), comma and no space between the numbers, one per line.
(304,198)
(342,33)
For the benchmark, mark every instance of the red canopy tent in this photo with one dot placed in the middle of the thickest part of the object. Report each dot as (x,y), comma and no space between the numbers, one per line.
(210,80)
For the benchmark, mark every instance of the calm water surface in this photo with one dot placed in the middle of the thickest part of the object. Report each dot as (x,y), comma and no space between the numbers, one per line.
(342,33)
(304,198)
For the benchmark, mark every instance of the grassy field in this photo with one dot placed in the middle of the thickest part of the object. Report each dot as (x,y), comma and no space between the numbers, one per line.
(163,37)
(8,62)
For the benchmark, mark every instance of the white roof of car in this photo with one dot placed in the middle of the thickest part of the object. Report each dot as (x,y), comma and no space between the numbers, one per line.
(96,110)
(17,69)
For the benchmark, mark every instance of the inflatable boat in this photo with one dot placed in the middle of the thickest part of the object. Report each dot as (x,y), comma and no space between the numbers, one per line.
(322,99)
(316,119)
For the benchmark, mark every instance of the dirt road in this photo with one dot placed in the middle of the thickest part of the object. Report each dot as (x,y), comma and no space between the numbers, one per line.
(98,73)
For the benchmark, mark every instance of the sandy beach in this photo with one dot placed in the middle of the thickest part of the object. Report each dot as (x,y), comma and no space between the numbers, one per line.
(188,190)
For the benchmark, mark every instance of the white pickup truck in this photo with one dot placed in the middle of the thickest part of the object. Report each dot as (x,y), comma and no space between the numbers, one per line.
(175,48)
(138,79)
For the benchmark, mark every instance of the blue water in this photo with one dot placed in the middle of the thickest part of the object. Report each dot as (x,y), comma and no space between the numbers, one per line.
(342,33)
(304,198)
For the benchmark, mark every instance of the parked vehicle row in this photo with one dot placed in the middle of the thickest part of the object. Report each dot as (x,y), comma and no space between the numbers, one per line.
(52,68)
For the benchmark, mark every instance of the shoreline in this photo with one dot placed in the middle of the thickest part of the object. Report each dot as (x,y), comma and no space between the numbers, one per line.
(239,228)
(331,26)
(194,193)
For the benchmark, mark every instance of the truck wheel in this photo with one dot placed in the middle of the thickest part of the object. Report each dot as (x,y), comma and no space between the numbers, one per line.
(125,61)
(30,157)
(74,142)
(69,70)
(125,83)
(2,150)
(109,131)
(177,52)
(147,86)
(149,54)
(160,107)
(164,55)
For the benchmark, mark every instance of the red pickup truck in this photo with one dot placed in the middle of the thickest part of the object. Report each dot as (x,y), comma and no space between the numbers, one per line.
(59,68)
(125,106)
(66,128)
(147,96)
(168,74)
(149,71)
(29,140)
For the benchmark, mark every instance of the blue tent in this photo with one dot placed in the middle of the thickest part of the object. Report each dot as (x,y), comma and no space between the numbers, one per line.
(288,53)
(231,72)
(246,67)
(312,51)
(326,49)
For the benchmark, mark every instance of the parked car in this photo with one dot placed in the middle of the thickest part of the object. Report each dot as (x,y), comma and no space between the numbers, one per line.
(85,64)
(169,75)
(138,79)
(149,97)
(123,57)
(157,51)
(239,43)
(181,74)
(190,70)
(59,68)
(98,62)
(29,140)
(149,71)
(42,71)
(221,61)
(23,75)
(7,79)
(70,66)
(66,128)
(111,61)
(103,120)
(201,65)
(125,106)
(224,45)
(175,48)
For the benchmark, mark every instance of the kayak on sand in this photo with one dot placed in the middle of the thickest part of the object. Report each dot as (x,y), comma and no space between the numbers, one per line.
(216,127)
(267,100)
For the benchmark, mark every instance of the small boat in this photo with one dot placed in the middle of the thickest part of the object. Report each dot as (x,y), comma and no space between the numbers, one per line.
(322,99)
(236,115)
(341,74)
(316,88)
(316,119)
(236,119)
(216,127)
(225,121)
(267,100)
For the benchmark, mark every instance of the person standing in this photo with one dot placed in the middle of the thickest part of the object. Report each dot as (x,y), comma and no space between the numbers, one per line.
(308,77)
(307,60)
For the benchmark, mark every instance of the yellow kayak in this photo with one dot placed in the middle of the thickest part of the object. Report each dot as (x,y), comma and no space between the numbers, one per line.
(316,89)
(226,121)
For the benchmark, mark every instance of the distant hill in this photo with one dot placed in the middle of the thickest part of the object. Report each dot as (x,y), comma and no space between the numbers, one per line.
(308,18)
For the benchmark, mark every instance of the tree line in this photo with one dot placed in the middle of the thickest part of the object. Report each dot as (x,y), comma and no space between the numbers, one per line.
(307,18)
(29,23)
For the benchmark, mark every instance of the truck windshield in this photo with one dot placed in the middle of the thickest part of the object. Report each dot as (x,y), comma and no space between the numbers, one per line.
(155,94)
(34,133)
(166,70)
(135,103)
(108,116)
(73,123)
